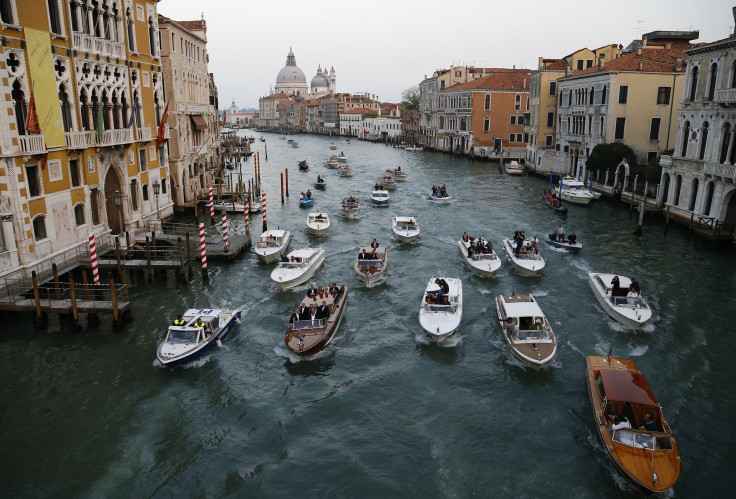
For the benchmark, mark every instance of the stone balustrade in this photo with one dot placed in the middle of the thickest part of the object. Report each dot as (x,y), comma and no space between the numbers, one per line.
(31,144)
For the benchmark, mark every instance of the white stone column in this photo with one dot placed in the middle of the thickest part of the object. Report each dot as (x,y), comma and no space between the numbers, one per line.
(717,199)
(730,146)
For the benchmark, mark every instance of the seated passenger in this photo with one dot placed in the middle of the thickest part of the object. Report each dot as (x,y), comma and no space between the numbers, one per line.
(309,194)
(445,300)
(620,423)
(312,291)
(333,289)
(572,238)
(537,326)
(647,423)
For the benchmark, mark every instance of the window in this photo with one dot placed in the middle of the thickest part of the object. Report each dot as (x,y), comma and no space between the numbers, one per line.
(512,137)
(663,95)
(560,103)
(548,140)
(703,140)
(486,124)
(152,36)
(131,30)
(66,109)
(145,192)
(589,63)
(142,154)
(20,106)
(134,194)
(620,125)
(162,155)
(550,119)
(602,130)
(39,227)
(79,214)
(513,120)
(487,104)
(32,181)
(517,103)
(519,137)
(6,12)
(580,64)
(592,95)
(654,129)
(651,155)
(623,94)
(685,138)
(569,97)
(603,95)
(693,83)
(94,197)
(712,82)
(74,172)
(552,88)
(54,16)
(163,186)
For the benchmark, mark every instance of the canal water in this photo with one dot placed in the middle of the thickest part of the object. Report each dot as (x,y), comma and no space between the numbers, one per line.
(382,412)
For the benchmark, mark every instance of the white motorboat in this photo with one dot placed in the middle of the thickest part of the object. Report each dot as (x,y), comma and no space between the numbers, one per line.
(332,162)
(295,144)
(351,207)
(531,338)
(414,148)
(271,244)
(388,182)
(302,264)
(632,311)
(333,146)
(345,170)
(525,263)
(230,207)
(186,342)
(380,197)
(405,229)
(440,314)
(439,195)
(341,157)
(565,244)
(398,174)
(573,191)
(483,263)
(282,137)
(318,223)
(514,168)
(369,265)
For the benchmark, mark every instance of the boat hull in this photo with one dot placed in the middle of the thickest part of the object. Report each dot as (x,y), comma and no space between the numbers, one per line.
(529,268)
(206,347)
(583,201)
(514,171)
(445,199)
(406,237)
(627,320)
(289,283)
(351,213)
(485,268)
(320,230)
(573,248)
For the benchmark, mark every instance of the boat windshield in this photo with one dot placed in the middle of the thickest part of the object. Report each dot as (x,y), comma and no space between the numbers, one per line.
(434,307)
(485,256)
(534,334)
(269,244)
(380,195)
(291,265)
(182,336)
(367,264)
(642,439)
(350,204)
(630,301)
(310,324)
(528,256)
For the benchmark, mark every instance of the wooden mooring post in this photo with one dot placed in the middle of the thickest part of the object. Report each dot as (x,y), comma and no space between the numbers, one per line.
(116,323)
(148,258)
(56,281)
(189,259)
(39,320)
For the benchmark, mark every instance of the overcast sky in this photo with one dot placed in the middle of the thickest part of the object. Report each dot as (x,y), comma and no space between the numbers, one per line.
(386,46)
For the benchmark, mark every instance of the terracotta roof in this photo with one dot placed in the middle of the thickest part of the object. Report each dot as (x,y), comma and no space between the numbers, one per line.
(708,44)
(653,60)
(359,110)
(558,65)
(496,81)
(190,25)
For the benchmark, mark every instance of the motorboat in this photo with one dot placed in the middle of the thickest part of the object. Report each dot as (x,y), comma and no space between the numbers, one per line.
(405,229)
(301,265)
(388,182)
(254,207)
(295,144)
(631,424)
(485,262)
(345,170)
(320,183)
(229,206)
(186,342)
(572,245)
(526,263)
(531,338)
(271,244)
(397,174)
(332,162)
(303,166)
(573,191)
(318,223)
(262,138)
(440,313)
(380,197)
(514,168)
(282,137)
(347,141)
(554,203)
(414,148)
(341,157)
(632,311)
(307,336)
(369,265)
(306,200)
(439,195)
(350,206)
(333,146)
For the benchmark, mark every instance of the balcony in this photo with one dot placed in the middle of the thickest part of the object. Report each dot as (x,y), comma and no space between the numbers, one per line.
(95,45)
(194,108)
(144,134)
(117,137)
(723,171)
(726,96)
(31,144)
(80,140)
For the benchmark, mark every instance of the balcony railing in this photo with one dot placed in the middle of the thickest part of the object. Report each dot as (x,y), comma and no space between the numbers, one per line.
(726,95)
(95,45)
(725,171)
(115,137)
(80,140)
(144,134)
(31,144)
(194,108)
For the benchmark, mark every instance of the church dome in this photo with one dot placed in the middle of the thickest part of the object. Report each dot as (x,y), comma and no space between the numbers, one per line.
(320,80)
(291,73)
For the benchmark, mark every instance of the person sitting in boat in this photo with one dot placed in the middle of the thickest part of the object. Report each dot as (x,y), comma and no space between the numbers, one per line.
(647,423)
(471,251)
(444,300)
(524,250)
(179,321)
(363,255)
(333,289)
(536,326)
(534,241)
(373,255)
(634,286)
(444,287)
(465,237)
(430,298)
(201,324)
(572,238)
(620,423)
(312,291)
(301,197)
(323,311)
(309,194)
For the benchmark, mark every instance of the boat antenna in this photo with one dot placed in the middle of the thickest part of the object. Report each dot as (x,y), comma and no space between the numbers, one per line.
(610,352)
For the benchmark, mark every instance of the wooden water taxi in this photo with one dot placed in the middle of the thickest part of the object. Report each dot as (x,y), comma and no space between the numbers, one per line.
(306,336)
(642,447)
(514,168)
(528,334)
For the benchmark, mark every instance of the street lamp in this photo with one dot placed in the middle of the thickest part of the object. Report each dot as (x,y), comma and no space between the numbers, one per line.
(156,190)
(117,198)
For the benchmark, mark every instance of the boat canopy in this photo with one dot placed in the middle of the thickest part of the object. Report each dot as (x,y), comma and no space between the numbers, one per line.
(627,386)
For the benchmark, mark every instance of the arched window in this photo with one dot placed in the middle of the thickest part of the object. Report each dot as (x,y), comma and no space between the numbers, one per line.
(603,95)
(131,30)
(54,16)
(708,198)
(152,36)
(106,22)
(678,184)
(602,126)
(693,83)
(712,83)
(703,140)
(79,216)
(21,108)
(517,102)
(84,108)
(560,98)
(569,98)
(73,7)
(145,192)
(124,114)
(137,108)
(685,138)
(39,227)
(487,104)
(163,185)
(157,108)
(115,107)
(66,109)
(95,110)
(115,23)
(694,194)
(726,138)
(105,111)
(733,74)
(592,95)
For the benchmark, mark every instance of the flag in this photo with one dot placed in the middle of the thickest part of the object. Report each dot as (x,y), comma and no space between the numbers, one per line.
(162,128)
(132,115)
(100,121)
(32,125)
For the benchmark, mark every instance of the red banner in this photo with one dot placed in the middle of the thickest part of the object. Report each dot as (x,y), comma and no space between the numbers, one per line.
(32,126)
(162,128)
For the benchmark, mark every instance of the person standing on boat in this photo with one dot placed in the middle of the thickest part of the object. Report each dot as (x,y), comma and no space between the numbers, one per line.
(509,327)
(304,312)
(313,313)
(374,244)
(535,241)
(309,194)
(323,312)
(560,233)
(294,316)
(634,287)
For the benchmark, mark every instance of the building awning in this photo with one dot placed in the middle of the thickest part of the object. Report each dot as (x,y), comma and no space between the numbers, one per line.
(199,122)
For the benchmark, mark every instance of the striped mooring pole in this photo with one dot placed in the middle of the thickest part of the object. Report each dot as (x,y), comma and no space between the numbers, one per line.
(224,232)
(247,220)
(93,257)
(265,226)
(212,207)
(203,252)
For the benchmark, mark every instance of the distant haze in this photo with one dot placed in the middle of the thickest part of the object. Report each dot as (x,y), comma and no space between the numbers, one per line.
(384,47)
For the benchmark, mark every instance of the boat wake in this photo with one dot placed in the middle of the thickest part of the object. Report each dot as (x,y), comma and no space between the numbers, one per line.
(638,350)
(451,342)
(538,293)
(296,359)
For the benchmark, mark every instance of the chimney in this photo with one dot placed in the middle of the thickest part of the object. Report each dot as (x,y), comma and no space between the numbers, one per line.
(668,45)
(644,40)
(641,65)
(523,83)
(638,51)
(539,64)
(601,62)
(678,64)
(514,66)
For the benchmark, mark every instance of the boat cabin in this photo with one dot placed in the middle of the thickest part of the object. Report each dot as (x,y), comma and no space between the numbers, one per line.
(298,259)
(272,240)
(604,281)
(525,312)
(189,333)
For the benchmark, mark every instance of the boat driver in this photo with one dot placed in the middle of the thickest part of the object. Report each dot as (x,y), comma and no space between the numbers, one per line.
(179,320)
(202,325)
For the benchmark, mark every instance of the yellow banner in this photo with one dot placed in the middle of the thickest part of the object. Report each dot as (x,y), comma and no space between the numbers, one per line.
(41,67)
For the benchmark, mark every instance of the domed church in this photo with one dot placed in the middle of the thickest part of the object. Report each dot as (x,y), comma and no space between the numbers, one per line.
(291,80)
